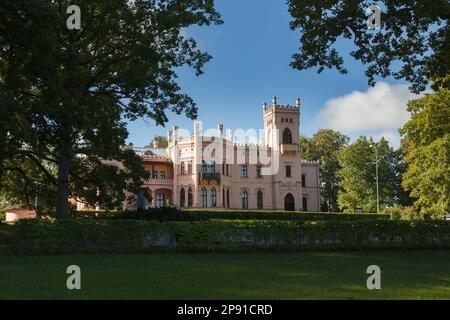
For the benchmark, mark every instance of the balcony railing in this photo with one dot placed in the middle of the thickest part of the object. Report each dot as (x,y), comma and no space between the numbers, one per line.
(160,181)
(209,176)
(287,147)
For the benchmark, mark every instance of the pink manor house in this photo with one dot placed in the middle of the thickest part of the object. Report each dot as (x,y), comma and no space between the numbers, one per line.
(214,171)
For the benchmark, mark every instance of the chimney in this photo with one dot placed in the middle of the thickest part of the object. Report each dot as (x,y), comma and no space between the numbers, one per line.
(155,144)
(274,101)
(297,103)
(264,106)
(220,130)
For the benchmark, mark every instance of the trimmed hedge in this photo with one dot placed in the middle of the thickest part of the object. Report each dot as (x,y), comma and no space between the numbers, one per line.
(281,215)
(158,214)
(173,214)
(95,235)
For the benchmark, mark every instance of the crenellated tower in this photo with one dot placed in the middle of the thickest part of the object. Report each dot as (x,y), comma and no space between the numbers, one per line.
(282,126)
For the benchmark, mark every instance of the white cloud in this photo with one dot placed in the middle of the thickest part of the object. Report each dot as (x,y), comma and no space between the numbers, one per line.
(379,112)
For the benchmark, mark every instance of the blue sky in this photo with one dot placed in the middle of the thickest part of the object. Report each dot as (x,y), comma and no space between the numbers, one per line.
(251,55)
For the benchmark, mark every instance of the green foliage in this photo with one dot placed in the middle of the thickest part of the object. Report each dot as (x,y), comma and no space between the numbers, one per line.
(358,174)
(160,141)
(67,93)
(426,137)
(37,236)
(173,214)
(403,213)
(412,45)
(324,146)
(159,214)
(279,215)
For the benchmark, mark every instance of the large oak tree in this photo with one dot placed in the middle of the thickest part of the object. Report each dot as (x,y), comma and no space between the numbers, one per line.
(412,44)
(69,93)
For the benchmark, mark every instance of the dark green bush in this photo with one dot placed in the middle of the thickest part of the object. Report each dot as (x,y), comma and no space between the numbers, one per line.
(173,214)
(158,214)
(280,215)
(96,235)
(404,213)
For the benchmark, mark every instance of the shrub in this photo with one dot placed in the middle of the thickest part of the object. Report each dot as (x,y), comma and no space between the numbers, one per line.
(279,215)
(173,214)
(404,213)
(96,235)
(159,214)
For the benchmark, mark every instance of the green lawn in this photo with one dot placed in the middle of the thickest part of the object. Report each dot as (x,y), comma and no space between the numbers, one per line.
(405,275)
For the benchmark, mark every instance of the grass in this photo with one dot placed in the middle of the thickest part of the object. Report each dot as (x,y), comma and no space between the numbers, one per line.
(324,275)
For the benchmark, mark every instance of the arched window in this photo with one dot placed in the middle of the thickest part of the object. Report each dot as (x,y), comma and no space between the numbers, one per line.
(244,196)
(289,202)
(244,173)
(228,198)
(190,198)
(213,198)
(212,167)
(287,136)
(204,198)
(203,166)
(182,167)
(259,199)
(182,197)
(160,199)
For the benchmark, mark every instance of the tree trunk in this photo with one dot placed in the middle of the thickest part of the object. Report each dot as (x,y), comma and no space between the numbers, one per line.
(62,205)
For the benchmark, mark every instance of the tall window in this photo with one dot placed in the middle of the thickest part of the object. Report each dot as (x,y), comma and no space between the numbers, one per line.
(228,198)
(160,200)
(258,171)
(287,136)
(212,167)
(203,166)
(244,196)
(244,172)
(155,174)
(223,198)
(259,199)
(204,198)
(182,167)
(223,168)
(288,171)
(162,175)
(190,198)
(305,204)
(213,198)
(182,197)
(190,167)
(303,180)
(227,170)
